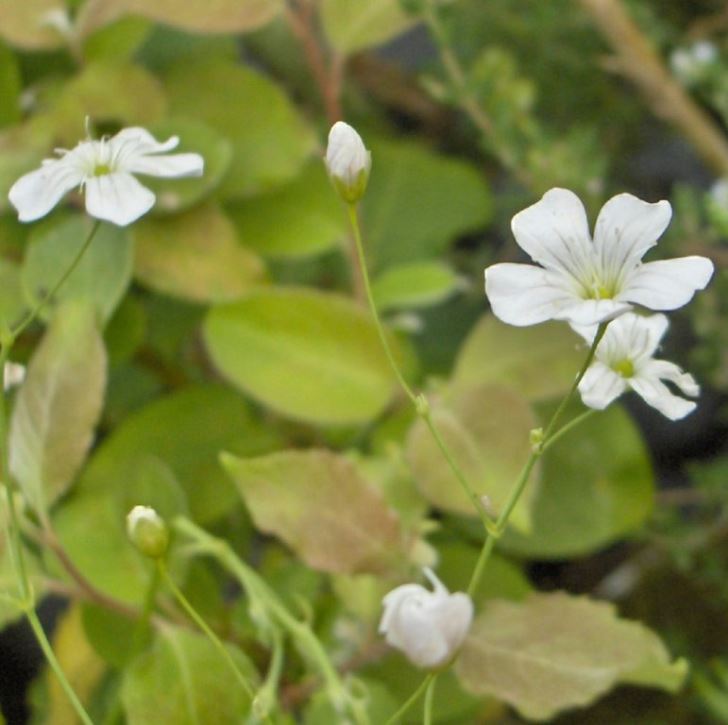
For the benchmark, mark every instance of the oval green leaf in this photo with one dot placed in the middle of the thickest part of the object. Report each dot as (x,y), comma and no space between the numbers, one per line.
(418,284)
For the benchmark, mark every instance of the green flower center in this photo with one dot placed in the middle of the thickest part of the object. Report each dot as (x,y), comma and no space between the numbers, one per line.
(102,169)
(625,368)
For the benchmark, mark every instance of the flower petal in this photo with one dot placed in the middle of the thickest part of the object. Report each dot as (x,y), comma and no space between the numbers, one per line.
(523,294)
(600,386)
(626,228)
(118,198)
(666,370)
(139,139)
(37,192)
(667,284)
(169,166)
(555,233)
(592,312)
(656,393)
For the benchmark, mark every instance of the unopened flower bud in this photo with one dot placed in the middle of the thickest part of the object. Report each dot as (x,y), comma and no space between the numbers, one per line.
(13,375)
(348,162)
(147,531)
(429,627)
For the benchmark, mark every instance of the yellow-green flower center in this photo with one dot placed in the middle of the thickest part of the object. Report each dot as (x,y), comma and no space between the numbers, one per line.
(625,368)
(102,169)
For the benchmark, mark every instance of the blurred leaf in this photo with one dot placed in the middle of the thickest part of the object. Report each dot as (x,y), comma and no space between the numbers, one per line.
(307,354)
(117,41)
(539,362)
(418,284)
(195,255)
(418,201)
(353,26)
(109,633)
(299,219)
(270,139)
(486,428)
(12,303)
(57,407)
(125,331)
(174,195)
(379,703)
(596,486)
(197,16)
(184,680)
(101,277)
(23,23)
(555,651)
(10,86)
(317,503)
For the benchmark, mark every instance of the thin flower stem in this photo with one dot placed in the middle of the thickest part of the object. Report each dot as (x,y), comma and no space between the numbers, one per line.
(419,401)
(429,701)
(35,311)
(424,685)
(200,622)
(566,428)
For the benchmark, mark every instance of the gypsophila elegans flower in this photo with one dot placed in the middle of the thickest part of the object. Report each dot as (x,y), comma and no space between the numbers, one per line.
(585,281)
(625,360)
(148,531)
(105,171)
(13,375)
(348,162)
(427,626)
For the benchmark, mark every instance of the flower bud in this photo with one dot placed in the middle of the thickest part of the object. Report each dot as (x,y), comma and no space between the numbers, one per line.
(428,627)
(147,531)
(13,375)
(348,162)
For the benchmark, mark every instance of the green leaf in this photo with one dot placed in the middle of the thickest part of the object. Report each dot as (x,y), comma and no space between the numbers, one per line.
(12,303)
(174,195)
(10,86)
(309,355)
(117,41)
(197,16)
(318,504)
(486,428)
(300,219)
(596,486)
(418,284)
(270,139)
(418,201)
(101,277)
(21,24)
(195,255)
(353,26)
(57,407)
(555,651)
(539,362)
(184,680)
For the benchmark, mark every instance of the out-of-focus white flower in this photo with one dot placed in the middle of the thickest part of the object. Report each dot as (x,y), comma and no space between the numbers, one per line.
(624,359)
(429,627)
(105,170)
(348,162)
(58,19)
(690,64)
(583,281)
(13,375)
(147,531)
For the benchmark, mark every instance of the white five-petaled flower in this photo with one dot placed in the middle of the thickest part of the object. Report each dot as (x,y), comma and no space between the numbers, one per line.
(429,627)
(624,359)
(105,170)
(583,281)
(348,162)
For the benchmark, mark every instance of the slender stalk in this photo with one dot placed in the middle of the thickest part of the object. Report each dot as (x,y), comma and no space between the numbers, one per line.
(573,423)
(200,622)
(429,701)
(424,685)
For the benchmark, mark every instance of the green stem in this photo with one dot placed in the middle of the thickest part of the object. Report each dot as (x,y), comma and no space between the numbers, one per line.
(429,701)
(200,622)
(573,423)
(424,685)
(419,401)
(266,697)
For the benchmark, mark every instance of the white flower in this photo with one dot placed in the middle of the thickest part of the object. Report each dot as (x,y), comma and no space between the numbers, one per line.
(13,375)
(428,627)
(147,531)
(690,64)
(624,359)
(105,170)
(583,281)
(348,161)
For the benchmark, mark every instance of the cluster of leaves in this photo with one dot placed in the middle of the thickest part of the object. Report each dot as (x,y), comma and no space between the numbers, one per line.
(213,362)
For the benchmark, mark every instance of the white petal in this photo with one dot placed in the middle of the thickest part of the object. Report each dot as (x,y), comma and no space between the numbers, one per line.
(169,166)
(457,615)
(36,193)
(667,284)
(592,312)
(633,337)
(600,386)
(626,228)
(665,370)
(523,294)
(657,394)
(139,139)
(393,600)
(118,198)
(346,155)
(555,233)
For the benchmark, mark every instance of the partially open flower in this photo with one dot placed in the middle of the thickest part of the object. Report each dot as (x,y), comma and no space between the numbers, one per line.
(624,360)
(105,171)
(348,162)
(429,627)
(147,531)
(587,281)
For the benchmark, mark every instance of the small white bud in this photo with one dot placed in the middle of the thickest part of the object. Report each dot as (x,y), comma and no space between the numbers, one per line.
(13,375)
(147,531)
(429,627)
(348,162)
